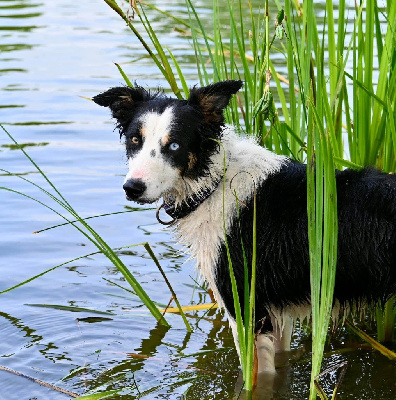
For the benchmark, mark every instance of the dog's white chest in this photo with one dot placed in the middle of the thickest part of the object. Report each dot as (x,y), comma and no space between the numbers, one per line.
(203,231)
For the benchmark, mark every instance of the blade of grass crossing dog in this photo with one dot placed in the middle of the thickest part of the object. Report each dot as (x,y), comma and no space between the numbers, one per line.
(247,314)
(246,298)
(250,339)
(323,234)
(312,235)
(237,306)
(321,193)
(248,324)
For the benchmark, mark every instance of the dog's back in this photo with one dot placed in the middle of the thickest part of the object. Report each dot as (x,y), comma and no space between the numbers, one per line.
(366,263)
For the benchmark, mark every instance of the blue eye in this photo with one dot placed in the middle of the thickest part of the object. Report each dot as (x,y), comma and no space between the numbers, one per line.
(174,146)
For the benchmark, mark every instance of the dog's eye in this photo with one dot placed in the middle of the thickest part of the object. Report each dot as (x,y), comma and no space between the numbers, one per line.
(135,140)
(174,146)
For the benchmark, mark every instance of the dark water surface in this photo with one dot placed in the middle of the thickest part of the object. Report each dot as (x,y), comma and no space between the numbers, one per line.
(52,52)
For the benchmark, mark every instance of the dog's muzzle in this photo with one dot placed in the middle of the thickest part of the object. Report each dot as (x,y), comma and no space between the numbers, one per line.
(134,188)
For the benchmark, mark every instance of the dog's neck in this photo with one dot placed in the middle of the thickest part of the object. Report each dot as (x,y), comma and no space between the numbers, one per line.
(203,231)
(191,202)
(188,193)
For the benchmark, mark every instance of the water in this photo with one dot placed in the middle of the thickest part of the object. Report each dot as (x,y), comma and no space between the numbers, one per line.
(52,53)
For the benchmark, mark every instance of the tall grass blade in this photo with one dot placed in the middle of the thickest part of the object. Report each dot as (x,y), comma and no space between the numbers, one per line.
(182,78)
(154,258)
(322,216)
(197,19)
(126,79)
(386,320)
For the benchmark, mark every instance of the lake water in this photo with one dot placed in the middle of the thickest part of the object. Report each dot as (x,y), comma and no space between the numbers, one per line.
(51,54)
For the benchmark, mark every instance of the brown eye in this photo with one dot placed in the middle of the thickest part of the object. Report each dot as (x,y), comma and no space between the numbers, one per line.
(135,140)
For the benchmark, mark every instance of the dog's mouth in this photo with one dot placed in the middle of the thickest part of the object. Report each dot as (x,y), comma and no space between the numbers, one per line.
(141,201)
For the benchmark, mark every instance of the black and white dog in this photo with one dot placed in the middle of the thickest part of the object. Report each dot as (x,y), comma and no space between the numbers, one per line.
(173,151)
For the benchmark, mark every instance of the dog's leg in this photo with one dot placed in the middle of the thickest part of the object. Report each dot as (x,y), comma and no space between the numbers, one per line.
(265,348)
(282,335)
(265,353)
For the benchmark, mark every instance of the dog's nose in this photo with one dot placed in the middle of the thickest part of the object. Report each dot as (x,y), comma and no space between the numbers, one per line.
(134,188)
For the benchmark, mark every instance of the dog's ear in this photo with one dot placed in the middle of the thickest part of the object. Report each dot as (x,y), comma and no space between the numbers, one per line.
(213,99)
(121,100)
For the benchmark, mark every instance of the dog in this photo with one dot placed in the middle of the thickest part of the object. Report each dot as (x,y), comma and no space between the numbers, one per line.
(182,151)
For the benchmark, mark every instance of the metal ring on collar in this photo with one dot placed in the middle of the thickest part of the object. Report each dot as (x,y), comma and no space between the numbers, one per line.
(160,220)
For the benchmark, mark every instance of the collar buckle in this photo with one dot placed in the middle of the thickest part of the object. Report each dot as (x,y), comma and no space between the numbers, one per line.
(160,220)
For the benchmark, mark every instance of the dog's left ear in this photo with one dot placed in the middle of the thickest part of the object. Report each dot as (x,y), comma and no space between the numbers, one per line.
(213,99)
(122,99)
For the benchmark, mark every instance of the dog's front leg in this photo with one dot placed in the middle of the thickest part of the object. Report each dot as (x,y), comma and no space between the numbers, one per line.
(282,335)
(265,353)
(265,348)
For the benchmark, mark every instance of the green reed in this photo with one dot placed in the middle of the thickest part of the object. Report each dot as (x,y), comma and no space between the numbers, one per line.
(334,109)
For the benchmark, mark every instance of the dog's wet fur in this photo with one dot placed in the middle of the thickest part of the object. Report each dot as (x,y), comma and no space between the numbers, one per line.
(176,150)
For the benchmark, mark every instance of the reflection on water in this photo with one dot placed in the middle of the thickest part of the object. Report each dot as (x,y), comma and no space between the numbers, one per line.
(50,54)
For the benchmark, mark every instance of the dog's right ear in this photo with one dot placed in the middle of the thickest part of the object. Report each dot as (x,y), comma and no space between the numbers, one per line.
(122,100)
(211,100)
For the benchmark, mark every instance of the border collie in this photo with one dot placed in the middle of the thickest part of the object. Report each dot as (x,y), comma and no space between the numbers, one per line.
(174,152)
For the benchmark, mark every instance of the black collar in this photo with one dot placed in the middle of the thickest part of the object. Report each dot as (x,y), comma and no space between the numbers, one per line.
(190,204)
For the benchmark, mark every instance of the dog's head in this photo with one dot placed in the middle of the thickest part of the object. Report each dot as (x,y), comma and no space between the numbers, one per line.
(167,139)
